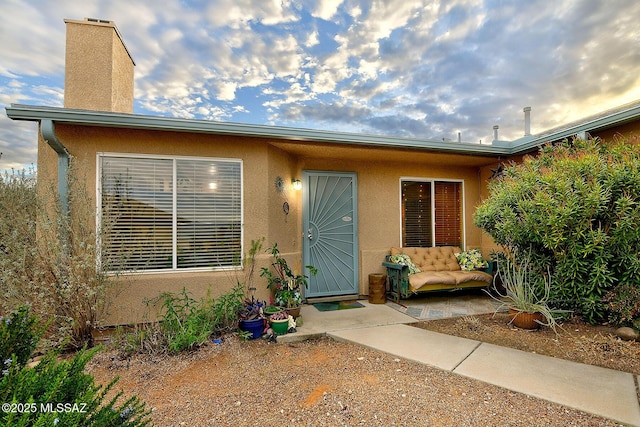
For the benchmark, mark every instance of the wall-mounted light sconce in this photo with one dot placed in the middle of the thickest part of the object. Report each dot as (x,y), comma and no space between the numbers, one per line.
(297,184)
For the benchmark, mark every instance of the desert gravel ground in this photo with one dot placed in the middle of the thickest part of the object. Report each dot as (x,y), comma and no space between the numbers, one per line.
(318,383)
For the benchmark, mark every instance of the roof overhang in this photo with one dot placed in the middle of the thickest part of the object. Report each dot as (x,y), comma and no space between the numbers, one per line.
(608,119)
(158,123)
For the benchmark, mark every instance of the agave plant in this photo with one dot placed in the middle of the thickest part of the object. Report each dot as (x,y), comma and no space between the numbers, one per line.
(525,290)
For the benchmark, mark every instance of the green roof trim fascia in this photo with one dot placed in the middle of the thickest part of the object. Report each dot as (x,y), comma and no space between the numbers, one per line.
(138,121)
(601,122)
(522,145)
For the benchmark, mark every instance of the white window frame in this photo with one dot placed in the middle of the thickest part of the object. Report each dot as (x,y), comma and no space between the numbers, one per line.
(174,268)
(432,181)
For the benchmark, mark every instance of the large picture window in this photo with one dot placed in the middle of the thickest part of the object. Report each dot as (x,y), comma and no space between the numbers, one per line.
(169,213)
(431,213)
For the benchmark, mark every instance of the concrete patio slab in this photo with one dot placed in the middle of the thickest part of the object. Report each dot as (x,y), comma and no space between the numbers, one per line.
(431,348)
(318,323)
(446,304)
(592,389)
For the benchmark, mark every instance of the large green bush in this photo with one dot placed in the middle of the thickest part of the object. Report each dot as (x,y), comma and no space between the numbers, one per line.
(576,205)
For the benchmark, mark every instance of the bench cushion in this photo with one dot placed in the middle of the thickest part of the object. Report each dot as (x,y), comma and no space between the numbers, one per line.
(439,258)
(439,269)
(418,280)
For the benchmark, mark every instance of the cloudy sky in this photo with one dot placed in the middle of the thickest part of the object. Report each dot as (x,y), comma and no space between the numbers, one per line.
(426,69)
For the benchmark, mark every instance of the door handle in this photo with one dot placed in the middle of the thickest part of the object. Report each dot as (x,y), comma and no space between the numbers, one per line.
(309,234)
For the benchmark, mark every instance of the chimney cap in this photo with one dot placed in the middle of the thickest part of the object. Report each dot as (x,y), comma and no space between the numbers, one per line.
(99,21)
(526,109)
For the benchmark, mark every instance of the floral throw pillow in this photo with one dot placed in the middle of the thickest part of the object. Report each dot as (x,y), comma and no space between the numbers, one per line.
(471,260)
(404,259)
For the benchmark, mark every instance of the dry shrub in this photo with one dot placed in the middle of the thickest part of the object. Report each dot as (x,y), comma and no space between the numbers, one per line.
(471,324)
(49,257)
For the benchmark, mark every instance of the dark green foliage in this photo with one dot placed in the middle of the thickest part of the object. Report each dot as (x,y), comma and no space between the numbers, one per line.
(56,392)
(576,205)
(19,334)
(224,310)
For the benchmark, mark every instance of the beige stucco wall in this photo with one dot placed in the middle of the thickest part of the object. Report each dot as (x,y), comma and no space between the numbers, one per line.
(378,201)
(85,142)
(284,229)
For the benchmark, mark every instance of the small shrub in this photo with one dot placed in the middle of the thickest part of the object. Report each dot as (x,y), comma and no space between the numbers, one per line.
(19,334)
(57,392)
(224,310)
(186,323)
(624,305)
(147,338)
(471,324)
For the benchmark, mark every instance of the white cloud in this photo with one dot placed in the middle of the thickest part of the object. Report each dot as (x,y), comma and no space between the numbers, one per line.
(312,40)
(326,9)
(227,91)
(237,13)
(388,15)
(414,68)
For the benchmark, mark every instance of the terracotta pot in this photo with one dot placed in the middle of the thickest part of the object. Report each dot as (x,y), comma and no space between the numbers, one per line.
(524,320)
(295,312)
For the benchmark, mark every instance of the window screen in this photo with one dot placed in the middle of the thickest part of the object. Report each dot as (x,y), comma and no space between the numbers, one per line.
(168,214)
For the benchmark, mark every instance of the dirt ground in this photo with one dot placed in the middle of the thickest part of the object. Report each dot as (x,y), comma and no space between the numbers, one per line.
(574,340)
(326,383)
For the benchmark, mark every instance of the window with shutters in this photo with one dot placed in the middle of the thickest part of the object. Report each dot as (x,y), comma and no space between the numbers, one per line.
(431,213)
(173,213)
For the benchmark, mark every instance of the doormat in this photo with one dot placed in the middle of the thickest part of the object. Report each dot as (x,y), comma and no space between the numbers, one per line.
(337,305)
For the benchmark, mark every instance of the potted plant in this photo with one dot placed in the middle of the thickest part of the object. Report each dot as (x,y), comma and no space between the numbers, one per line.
(272,309)
(279,322)
(284,284)
(251,317)
(525,295)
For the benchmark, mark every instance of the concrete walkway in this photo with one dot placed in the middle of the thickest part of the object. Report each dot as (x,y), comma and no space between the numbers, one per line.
(605,392)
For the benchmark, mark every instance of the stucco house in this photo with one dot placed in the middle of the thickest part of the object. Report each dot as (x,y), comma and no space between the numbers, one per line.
(185,198)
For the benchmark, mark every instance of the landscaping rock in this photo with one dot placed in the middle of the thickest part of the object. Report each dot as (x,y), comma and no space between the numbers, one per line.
(626,333)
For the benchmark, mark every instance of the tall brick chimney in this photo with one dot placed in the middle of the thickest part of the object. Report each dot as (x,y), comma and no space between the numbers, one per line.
(98,67)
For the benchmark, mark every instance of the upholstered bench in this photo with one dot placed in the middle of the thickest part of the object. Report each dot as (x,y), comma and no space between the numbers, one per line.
(415,270)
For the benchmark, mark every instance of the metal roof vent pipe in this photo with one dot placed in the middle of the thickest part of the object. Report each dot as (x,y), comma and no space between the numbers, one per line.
(495,132)
(527,121)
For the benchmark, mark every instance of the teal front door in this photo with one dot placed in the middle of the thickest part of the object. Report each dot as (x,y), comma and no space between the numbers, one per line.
(330,232)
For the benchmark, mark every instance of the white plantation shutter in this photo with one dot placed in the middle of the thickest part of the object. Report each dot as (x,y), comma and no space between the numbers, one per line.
(178,213)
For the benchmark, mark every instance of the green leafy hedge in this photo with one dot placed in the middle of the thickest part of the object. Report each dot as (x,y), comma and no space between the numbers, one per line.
(576,205)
